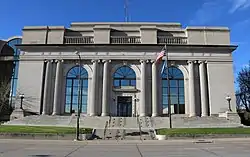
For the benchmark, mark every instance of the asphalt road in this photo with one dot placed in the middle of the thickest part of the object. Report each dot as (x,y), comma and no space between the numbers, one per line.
(174,148)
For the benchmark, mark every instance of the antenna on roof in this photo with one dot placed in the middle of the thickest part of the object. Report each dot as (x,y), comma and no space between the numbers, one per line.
(126,10)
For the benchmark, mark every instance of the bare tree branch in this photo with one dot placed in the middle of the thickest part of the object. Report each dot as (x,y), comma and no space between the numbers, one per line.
(5,87)
(243,95)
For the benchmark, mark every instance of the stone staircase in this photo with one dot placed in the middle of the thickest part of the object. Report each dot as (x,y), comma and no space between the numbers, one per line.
(127,128)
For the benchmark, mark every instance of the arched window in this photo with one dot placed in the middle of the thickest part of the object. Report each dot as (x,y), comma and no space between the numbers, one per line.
(176,90)
(72,86)
(124,76)
(12,43)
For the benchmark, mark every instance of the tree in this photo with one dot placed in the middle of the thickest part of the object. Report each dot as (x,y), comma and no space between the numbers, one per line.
(5,86)
(243,93)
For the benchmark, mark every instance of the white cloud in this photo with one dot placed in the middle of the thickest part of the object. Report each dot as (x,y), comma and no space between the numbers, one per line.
(239,5)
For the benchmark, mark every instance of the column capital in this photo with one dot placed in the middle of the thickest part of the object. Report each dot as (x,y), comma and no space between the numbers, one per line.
(106,60)
(144,60)
(48,60)
(202,61)
(94,61)
(190,61)
(59,61)
(153,61)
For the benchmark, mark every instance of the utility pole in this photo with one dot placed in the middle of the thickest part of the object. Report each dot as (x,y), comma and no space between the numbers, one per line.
(169,99)
(126,10)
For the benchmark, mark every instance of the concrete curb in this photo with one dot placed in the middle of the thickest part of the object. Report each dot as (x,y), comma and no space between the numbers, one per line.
(209,136)
(38,136)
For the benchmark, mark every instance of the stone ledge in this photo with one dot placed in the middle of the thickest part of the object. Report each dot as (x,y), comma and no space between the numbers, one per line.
(72,136)
(37,136)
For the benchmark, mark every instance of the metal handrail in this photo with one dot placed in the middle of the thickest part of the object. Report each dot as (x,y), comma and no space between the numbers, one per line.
(153,129)
(105,130)
(139,125)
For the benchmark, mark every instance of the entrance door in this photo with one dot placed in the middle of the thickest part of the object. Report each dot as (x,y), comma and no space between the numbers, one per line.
(124,106)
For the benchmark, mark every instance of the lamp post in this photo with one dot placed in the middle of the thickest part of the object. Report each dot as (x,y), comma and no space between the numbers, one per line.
(228,98)
(79,98)
(21,97)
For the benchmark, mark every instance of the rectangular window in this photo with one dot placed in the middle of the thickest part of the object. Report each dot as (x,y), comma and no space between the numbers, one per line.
(173,83)
(181,100)
(84,83)
(164,83)
(181,83)
(181,91)
(174,91)
(116,83)
(69,82)
(67,108)
(68,99)
(84,108)
(133,82)
(124,82)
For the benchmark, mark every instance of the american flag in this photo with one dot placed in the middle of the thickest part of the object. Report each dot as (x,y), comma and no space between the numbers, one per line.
(161,55)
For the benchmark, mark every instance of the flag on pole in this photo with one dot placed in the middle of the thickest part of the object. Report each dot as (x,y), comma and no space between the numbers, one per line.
(163,67)
(161,54)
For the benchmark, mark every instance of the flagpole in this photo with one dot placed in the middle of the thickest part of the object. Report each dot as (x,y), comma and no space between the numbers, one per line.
(168,82)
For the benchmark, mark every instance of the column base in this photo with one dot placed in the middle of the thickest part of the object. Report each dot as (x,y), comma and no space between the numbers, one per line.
(54,114)
(92,114)
(104,114)
(205,115)
(142,115)
(43,113)
(155,115)
(192,115)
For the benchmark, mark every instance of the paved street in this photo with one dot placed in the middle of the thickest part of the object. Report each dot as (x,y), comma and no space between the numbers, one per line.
(174,148)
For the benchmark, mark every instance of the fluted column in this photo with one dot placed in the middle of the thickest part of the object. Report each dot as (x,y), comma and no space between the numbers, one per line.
(203,89)
(105,104)
(143,89)
(155,105)
(46,97)
(93,107)
(192,106)
(57,88)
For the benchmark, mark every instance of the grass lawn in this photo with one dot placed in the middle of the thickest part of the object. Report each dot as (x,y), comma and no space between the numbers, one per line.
(42,129)
(202,131)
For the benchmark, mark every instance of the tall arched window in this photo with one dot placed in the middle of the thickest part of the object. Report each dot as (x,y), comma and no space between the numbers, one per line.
(72,86)
(13,92)
(124,76)
(176,89)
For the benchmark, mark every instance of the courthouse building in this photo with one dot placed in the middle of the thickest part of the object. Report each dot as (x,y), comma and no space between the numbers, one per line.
(115,63)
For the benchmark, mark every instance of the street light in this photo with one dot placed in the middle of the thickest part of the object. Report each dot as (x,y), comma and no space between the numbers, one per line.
(21,97)
(228,98)
(79,98)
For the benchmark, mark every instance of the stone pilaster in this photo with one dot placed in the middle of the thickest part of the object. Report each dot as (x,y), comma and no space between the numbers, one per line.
(155,104)
(46,98)
(93,107)
(203,89)
(192,105)
(143,88)
(56,103)
(105,91)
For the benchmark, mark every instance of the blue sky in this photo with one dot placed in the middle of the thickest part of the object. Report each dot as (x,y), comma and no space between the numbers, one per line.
(232,13)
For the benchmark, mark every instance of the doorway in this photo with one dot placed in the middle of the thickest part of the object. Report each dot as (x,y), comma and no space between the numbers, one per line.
(124,106)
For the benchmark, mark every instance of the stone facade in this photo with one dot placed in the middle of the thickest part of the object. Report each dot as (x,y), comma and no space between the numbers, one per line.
(202,54)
